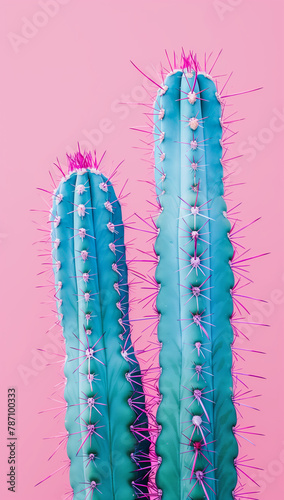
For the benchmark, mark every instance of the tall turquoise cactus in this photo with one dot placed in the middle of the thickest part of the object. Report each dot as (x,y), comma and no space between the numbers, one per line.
(197,446)
(105,419)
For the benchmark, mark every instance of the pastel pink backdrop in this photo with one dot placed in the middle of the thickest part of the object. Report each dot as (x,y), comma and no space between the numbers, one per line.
(64,84)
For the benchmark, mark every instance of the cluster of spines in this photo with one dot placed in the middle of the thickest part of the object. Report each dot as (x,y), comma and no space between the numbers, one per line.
(197,206)
(101,368)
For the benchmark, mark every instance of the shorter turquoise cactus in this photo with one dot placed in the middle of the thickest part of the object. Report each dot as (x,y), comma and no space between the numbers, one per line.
(106,419)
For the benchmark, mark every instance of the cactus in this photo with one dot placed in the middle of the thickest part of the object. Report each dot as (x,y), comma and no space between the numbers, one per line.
(197,446)
(105,419)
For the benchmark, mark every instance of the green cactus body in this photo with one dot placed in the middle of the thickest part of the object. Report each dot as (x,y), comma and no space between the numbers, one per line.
(196,415)
(105,403)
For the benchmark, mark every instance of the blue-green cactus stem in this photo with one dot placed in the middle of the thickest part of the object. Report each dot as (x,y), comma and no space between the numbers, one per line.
(196,444)
(105,403)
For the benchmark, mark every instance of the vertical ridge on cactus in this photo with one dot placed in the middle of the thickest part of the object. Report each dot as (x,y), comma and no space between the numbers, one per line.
(199,267)
(105,418)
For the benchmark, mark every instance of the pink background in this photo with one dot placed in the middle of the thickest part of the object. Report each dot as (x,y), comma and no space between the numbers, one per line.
(64,84)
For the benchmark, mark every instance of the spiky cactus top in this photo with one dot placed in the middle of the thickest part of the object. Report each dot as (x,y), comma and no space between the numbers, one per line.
(105,419)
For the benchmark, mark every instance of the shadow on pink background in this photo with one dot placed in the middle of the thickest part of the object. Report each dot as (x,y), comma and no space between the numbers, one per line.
(64,75)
